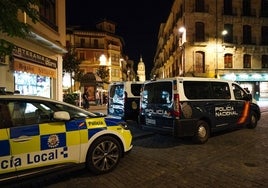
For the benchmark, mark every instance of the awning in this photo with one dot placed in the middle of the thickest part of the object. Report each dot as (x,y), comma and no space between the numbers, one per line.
(91,77)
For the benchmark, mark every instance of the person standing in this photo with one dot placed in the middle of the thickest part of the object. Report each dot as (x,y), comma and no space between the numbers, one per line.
(85,100)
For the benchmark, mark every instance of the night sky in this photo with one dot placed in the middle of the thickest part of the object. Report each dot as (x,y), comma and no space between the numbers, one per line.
(138,22)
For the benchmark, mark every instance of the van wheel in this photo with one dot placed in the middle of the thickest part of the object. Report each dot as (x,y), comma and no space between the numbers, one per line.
(253,121)
(202,132)
(103,155)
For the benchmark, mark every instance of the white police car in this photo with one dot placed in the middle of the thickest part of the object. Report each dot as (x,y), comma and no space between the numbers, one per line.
(39,134)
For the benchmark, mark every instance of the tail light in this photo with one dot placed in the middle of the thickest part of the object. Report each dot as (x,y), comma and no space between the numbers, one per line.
(176,105)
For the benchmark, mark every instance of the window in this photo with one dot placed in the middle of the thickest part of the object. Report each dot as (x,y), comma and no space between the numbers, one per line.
(229,37)
(96,43)
(264,61)
(228,61)
(264,8)
(136,89)
(82,55)
(247,61)
(239,93)
(227,7)
(82,42)
(199,6)
(200,62)
(264,36)
(246,34)
(160,92)
(47,12)
(206,90)
(246,8)
(199,32)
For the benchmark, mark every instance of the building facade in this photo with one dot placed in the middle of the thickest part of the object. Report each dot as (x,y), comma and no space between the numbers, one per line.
(98,47)
(35,66)
(216,38)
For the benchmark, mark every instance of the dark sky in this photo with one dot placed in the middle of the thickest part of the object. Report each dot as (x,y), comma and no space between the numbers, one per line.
(137,22)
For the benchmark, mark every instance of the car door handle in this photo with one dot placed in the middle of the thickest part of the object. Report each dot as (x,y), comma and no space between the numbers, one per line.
(22,138)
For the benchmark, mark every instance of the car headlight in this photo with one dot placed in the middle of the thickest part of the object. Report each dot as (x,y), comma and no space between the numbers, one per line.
(124,125)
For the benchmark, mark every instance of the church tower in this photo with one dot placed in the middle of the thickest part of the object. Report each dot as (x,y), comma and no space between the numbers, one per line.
(141,71)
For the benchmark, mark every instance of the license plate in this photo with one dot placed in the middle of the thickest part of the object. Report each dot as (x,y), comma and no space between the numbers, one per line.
(150,121)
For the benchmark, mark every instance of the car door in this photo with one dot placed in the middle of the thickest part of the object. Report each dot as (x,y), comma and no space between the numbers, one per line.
(36,139)
(7,164)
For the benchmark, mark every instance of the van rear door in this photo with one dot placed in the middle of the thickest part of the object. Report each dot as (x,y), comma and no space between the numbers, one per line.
(116,99)
(157,105)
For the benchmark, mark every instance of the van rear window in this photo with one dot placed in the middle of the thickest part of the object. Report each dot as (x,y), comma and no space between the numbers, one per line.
(158,92)
(136,89)
(206,90)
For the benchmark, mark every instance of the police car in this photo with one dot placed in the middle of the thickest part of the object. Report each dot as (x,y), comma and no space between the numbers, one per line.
(39,135)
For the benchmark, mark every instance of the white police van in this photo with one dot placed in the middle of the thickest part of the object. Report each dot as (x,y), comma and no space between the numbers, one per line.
(124,100)
(196,107)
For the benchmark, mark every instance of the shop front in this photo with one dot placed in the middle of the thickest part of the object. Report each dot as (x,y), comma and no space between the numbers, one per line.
(33,73)
(255,83)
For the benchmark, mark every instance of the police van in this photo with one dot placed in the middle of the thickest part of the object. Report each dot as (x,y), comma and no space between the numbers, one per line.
(124,99)
(196,107)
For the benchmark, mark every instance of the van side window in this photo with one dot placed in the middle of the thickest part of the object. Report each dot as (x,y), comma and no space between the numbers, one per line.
(239,93)
(206,90)
(197,90)
(220,90)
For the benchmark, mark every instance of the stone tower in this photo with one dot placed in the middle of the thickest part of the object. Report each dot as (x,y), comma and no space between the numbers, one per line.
(141,71)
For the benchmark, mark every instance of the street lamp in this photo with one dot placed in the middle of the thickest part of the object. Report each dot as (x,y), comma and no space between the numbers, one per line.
(223,33)
(182,30)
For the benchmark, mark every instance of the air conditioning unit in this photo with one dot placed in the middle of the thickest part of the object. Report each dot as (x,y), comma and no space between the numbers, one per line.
(4,60)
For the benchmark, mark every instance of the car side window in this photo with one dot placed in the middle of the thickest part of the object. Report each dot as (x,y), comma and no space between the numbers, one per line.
(239,93)
(5,116)
(28,113)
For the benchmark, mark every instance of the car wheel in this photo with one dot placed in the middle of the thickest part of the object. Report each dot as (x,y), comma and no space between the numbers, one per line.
(253,121)
(202,132)
(103,155)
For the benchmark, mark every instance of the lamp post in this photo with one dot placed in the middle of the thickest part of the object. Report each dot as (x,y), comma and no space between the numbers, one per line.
(182,30)
(223,33)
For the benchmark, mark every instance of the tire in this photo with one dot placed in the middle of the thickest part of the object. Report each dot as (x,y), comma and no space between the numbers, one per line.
(202,132)
(253,121)
(103,155)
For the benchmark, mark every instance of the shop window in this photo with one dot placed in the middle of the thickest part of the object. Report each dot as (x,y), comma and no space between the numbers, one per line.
(228,61)
(247,61)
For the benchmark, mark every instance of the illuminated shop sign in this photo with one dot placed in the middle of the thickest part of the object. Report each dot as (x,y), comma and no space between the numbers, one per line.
(246,77)
(34,57)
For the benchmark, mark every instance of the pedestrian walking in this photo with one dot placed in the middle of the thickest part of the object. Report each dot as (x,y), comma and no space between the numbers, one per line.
(86,100)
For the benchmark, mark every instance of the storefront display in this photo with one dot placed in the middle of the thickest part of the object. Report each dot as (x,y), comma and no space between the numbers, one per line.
(32,84)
